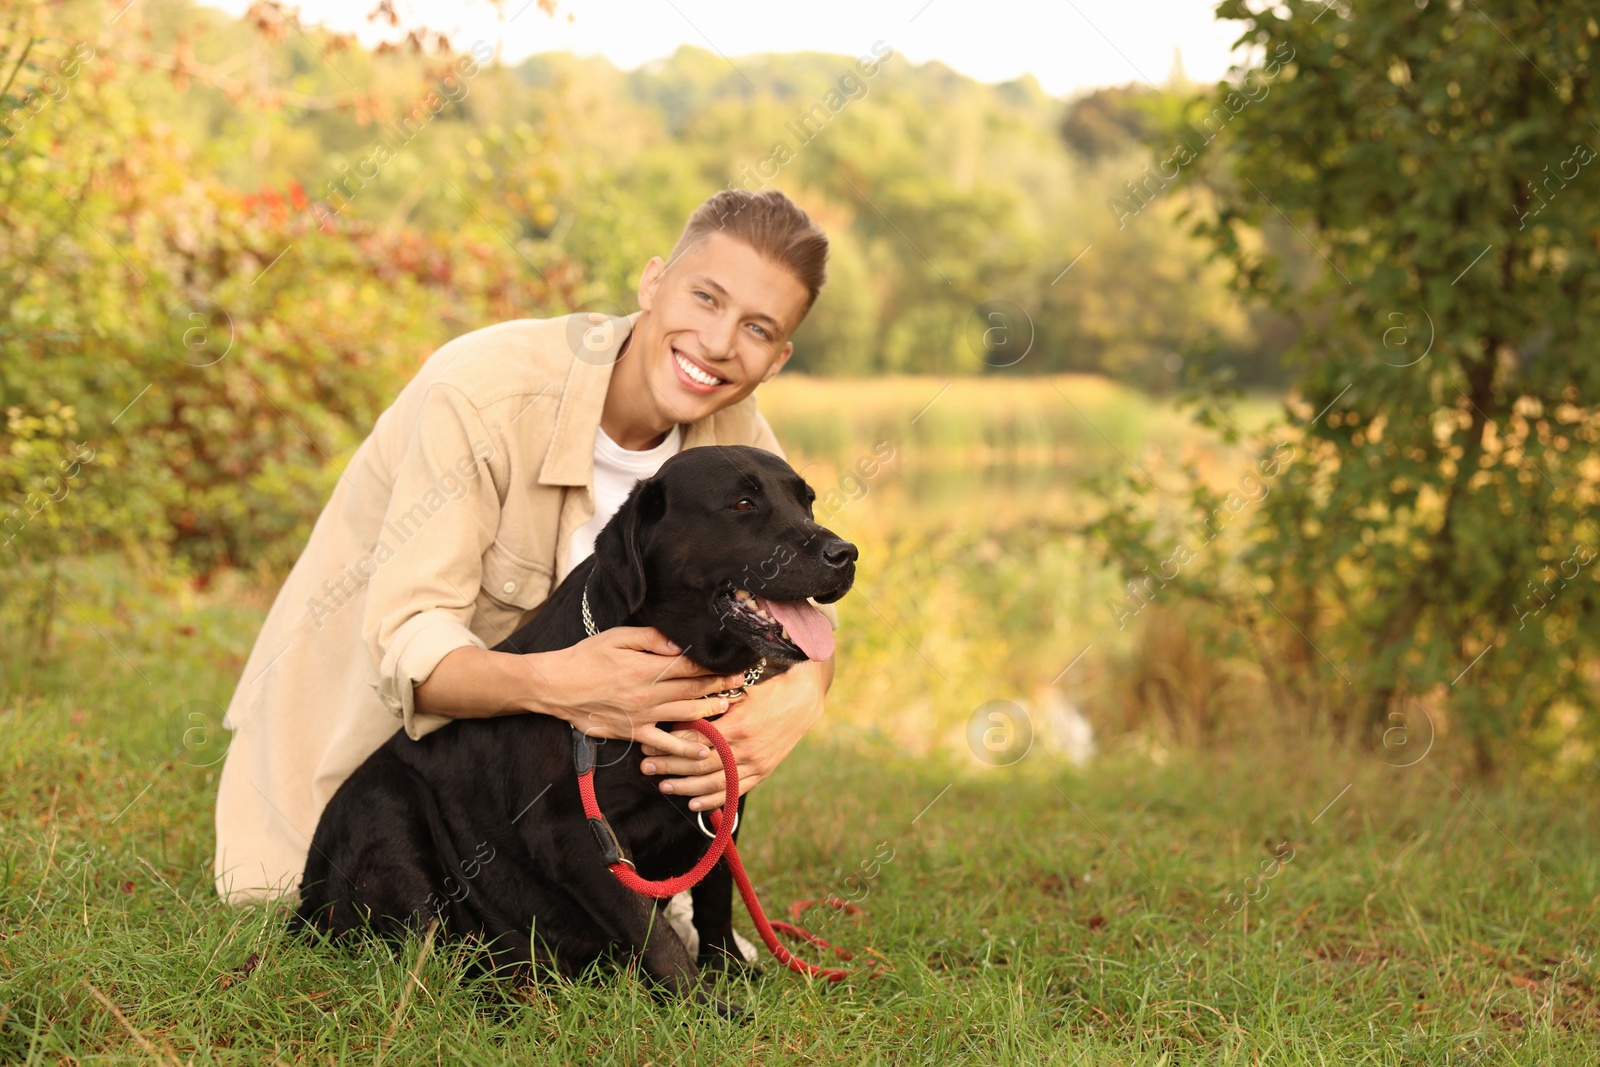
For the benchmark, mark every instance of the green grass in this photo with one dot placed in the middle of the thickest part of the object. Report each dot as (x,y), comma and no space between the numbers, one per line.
(1032,914)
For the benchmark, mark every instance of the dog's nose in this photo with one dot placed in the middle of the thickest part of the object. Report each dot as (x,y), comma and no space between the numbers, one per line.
(838,552)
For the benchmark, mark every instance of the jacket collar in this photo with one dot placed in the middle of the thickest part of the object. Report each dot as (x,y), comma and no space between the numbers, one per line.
(570,459)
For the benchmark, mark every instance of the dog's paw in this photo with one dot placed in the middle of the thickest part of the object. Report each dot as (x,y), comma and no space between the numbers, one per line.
(732,1013)
(726,961)
(705,999)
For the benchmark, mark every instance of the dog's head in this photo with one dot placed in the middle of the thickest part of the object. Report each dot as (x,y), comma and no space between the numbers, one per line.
(719,551)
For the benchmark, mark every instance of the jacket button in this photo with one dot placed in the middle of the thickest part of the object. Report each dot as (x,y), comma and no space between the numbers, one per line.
(509,587)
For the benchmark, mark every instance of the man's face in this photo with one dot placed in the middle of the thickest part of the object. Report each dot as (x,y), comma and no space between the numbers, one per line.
(716,325)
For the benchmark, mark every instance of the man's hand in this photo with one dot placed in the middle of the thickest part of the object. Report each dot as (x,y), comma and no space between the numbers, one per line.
(762,729)
(620,683)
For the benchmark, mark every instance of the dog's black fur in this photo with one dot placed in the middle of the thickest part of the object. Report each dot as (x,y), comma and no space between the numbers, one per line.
(480,823)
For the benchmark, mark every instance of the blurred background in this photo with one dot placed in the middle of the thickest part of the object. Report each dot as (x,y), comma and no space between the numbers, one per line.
(1205,385)
(1075,319)
(232,239)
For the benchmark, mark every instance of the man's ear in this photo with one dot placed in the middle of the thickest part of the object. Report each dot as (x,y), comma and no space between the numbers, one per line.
(624,541)
(648,282)
(777,364)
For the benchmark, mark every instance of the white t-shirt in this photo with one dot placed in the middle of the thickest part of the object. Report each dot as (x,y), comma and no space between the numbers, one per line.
(616,470)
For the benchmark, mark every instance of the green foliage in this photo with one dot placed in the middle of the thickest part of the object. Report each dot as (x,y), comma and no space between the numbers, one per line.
(1430,542)
(1105,121)
(218,353)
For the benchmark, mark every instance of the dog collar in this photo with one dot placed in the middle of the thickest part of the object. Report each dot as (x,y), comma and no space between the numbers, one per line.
(751,674)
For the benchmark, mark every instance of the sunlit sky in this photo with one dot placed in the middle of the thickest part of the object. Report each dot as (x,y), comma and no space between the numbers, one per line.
(1068,45)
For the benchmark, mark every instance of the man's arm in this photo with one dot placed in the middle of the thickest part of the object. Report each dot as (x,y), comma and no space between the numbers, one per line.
(620,684)
(476,683)
(442,515)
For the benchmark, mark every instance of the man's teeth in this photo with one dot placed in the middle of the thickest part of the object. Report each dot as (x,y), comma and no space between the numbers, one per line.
(695,373)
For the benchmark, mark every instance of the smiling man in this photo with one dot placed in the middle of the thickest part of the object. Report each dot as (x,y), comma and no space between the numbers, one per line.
(478,490)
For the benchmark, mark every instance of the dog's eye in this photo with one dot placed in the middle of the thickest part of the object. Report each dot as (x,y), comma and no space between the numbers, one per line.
(745,504)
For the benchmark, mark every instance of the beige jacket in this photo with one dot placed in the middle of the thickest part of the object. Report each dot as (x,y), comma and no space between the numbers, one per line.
(446,529)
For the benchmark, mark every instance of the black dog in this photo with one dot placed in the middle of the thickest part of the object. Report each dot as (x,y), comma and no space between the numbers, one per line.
(480,824)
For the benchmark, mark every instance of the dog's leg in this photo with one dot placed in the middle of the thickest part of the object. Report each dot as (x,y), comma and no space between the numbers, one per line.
(631,920)
(634,921)
(374,861)
(512,955)
(713,918)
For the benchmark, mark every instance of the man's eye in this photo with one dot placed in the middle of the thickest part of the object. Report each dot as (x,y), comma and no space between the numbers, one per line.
(745,504)
(762,330)
(703,295)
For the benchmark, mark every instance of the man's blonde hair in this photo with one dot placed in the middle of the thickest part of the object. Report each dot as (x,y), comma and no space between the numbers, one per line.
(770,223)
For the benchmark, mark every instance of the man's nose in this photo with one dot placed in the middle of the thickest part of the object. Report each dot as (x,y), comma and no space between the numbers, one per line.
(716,341)
(839,552)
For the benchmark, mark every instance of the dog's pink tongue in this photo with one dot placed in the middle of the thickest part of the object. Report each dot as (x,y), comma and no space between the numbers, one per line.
(807,626)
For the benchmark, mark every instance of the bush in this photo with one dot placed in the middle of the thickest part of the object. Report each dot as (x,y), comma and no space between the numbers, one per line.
(1428,535)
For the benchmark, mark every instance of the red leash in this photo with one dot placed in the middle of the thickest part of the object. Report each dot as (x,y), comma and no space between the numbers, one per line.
(721,845)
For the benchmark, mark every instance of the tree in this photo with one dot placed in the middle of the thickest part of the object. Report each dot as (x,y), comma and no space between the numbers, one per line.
(1105,121)
(1432,537)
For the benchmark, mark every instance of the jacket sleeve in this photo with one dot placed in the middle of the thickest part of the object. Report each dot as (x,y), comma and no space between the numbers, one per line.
(443,513)
(764,438)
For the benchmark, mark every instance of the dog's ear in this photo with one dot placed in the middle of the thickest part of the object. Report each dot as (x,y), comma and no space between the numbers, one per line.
(620,548)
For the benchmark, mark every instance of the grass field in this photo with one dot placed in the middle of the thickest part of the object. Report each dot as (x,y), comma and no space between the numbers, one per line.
(1031,914)
(1277,898)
